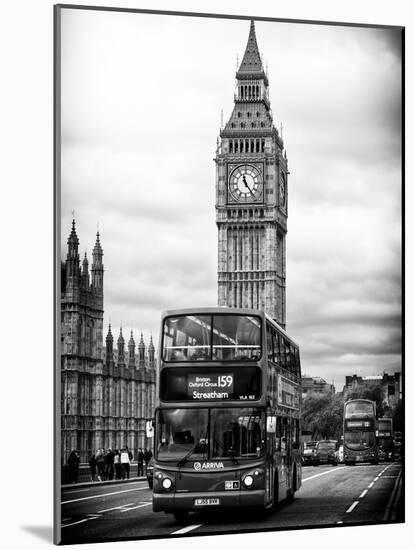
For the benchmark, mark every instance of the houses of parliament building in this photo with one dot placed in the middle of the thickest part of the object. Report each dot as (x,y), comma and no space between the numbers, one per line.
(107,393)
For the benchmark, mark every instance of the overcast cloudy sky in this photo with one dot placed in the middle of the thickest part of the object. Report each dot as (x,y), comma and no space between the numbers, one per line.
(141,102)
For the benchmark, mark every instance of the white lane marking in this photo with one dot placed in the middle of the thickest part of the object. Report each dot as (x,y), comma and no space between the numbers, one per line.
(104,495)
(352,507)
(134,507)
(115,508)
(186,529)
(376,478)
(363,494)
(77,522)
(324,473)
(77,491)
(370,485)
(339,522)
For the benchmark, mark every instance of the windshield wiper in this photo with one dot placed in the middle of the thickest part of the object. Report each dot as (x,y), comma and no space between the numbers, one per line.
(183,460)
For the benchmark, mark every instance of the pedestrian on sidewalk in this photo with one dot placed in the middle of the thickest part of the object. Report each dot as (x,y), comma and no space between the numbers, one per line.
(140,462)
(109,465)
(93,466)
(73,463)
(125,464)
(117,464)
(147,456)
(100,458)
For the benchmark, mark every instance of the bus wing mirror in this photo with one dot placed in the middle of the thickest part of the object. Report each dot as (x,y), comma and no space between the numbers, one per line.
(271,424)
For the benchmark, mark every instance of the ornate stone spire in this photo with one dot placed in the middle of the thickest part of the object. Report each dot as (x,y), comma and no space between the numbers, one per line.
(251,62)
(109,340)
(151,351)
(120,344)
(141,349)
(131,350)
(97,269)
(85,272)
(72,259)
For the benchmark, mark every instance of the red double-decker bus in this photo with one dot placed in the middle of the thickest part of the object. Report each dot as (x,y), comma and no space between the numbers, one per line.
(227,423)
(385,439)
(359,432)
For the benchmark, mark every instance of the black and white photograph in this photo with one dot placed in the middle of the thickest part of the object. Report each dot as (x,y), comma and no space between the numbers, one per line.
(229,263)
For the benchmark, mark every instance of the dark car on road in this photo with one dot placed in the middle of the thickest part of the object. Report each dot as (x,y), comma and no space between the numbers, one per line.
(325,452)
(308,452)
(149,472)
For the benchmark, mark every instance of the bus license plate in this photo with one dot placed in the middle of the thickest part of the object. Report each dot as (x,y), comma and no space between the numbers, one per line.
(359,458)
(206,501)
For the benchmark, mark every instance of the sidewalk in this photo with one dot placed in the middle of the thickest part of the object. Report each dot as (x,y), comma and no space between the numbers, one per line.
(99,483)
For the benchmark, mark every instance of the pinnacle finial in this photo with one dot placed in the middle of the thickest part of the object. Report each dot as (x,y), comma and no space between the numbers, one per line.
(251,62)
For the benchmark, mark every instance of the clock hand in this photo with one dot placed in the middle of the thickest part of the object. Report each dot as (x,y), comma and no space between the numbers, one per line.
(246,185)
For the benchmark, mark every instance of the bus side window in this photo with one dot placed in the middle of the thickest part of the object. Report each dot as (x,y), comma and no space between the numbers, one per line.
(297,362)
(278,435)
(282,345)
(296,433)
(269,344)
(277,356)
(284,435)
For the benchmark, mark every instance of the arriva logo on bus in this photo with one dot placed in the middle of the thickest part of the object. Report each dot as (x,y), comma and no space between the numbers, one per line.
(208,465)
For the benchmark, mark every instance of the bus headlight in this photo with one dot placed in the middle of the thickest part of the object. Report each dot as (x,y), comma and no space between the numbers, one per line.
(248,481)
(167,483)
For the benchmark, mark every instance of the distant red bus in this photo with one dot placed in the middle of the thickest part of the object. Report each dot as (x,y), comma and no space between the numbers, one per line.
(359,432)
(385,439)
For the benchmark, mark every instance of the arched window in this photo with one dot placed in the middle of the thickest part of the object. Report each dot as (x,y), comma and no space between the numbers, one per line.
(257,145)
(230,146)
(239,115)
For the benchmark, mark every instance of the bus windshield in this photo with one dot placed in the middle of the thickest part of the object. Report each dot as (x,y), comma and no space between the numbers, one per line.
(359,440)
(229,337)
(201,434)
(359,409)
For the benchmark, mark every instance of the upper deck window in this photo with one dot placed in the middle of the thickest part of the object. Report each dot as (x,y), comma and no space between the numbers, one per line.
(359,409)
(212,338)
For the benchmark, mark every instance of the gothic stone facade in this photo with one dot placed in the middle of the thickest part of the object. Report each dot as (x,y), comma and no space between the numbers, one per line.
(251,196)
(106,396)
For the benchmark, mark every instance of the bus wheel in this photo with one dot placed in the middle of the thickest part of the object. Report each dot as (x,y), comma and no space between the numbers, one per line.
(275,496)
(181,516)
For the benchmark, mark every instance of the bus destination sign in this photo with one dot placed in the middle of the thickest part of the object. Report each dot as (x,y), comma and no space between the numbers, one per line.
(210,386)
(358,423)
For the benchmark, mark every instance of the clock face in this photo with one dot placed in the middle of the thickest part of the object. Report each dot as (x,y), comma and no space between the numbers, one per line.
(283,190)
(245,184)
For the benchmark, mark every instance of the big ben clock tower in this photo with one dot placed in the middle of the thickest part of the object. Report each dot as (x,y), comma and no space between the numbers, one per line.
(251,196)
